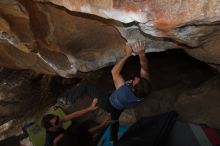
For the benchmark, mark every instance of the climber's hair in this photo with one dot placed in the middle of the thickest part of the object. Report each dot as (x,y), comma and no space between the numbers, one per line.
(45,122)
(142,88)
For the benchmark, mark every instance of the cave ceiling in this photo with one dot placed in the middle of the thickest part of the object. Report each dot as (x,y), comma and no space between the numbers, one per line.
(66,37)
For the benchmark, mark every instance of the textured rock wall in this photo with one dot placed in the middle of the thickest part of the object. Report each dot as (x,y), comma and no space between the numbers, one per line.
(56,41)
(63,37)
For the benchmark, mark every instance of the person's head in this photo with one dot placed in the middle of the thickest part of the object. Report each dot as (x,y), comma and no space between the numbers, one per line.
(141,87)
(51,122)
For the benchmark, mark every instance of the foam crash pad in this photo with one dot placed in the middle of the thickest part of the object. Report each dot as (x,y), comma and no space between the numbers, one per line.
(105,139)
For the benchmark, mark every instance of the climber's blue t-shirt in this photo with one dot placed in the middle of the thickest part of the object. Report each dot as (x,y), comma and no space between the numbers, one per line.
(124,97)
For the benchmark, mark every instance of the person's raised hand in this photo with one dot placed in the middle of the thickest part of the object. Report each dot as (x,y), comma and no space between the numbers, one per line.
(94,106)
(138,47)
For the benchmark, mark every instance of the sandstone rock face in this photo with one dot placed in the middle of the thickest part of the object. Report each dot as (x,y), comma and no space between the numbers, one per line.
(64,37)
(204,108)
(209,50)
(163,14)
(56,41)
